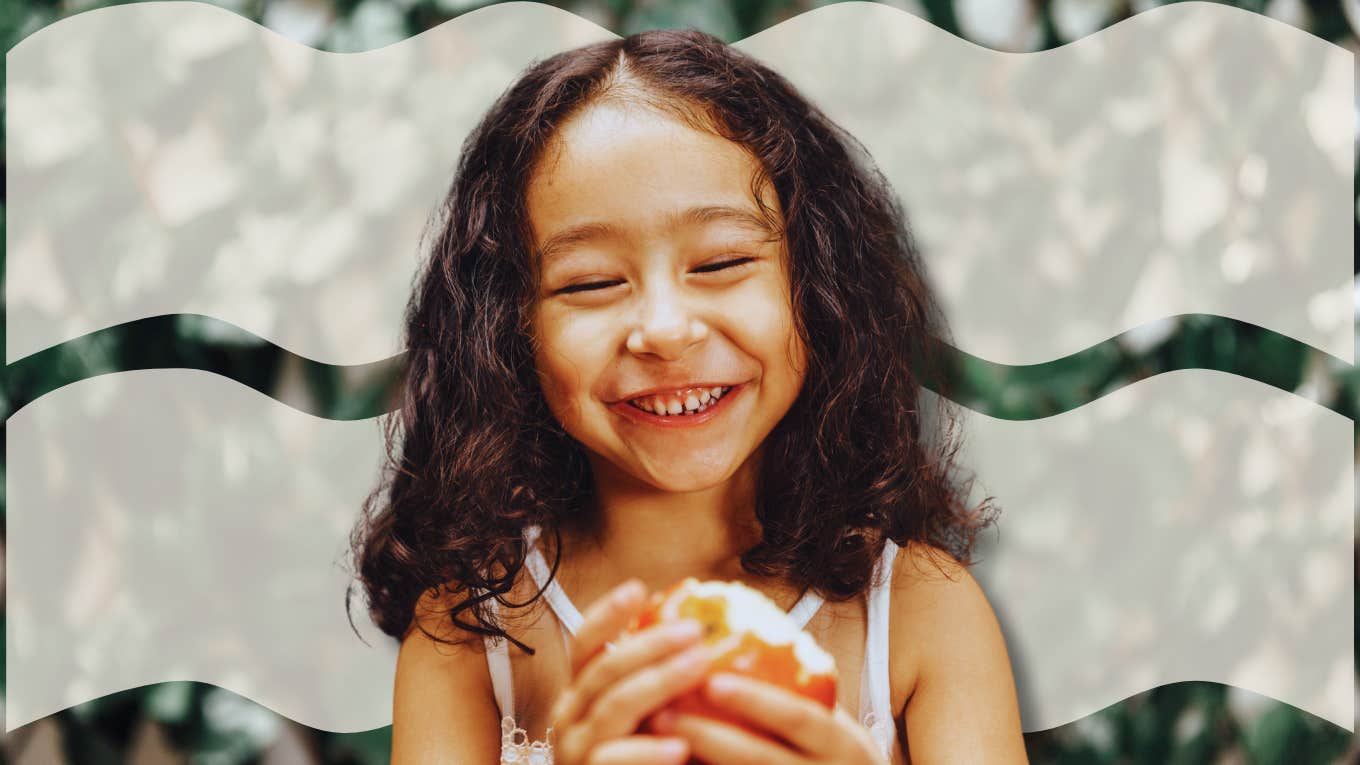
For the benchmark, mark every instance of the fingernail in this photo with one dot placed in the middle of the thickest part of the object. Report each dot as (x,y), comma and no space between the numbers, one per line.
(674,748)
(692,659)
(722,684)
(684,631)
(628,592)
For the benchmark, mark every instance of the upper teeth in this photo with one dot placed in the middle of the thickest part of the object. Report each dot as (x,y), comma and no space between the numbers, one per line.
(686,401)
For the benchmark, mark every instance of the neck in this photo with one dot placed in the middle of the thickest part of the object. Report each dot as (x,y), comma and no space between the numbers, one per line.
(659,537)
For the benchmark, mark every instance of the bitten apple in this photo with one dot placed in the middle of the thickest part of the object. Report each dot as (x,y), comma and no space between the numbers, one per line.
(750,635)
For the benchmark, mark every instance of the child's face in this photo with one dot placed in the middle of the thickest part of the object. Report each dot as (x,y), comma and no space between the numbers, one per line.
(659,314)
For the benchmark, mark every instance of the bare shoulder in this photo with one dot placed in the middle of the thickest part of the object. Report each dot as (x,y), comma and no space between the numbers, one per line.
(950,662)
(443,708)
(924,578)
(928,581)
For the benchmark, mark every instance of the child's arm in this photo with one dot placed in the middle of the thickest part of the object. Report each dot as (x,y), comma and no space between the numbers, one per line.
(443,709)
(962,705)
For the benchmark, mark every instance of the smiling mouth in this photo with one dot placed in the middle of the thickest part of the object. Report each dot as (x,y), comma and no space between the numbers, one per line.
(684,403)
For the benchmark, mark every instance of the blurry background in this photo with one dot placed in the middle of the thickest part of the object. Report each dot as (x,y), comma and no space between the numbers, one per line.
(1179,723)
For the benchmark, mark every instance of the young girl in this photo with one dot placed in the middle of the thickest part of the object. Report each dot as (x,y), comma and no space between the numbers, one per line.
(671,326)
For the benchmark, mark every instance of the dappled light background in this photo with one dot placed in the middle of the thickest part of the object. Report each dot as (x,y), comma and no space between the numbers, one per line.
(1035,227)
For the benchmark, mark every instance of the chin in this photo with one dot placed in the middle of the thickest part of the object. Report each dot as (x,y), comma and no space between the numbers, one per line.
(700,477)
(687,485)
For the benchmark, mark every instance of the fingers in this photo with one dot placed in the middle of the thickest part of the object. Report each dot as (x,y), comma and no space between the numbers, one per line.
(622,707)
(604,619)
(630,654)
(860,733)
(647,648)
(633,749)
(763,706)
(714,741)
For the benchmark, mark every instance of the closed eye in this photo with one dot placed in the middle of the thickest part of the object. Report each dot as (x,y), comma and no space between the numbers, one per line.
(587,287)
(706,269)
(711,267)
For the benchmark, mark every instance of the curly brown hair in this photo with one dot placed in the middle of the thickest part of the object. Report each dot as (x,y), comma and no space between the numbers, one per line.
(854,461)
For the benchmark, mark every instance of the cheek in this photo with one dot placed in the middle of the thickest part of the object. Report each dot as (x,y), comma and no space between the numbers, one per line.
(551,375)
(559,382)
(566,360)
(767,324)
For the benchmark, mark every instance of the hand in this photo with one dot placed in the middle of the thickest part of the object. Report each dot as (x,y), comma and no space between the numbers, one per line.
(614,686)
(790,728)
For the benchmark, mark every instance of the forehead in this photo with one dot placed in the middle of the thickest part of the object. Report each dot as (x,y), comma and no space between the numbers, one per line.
(631,170)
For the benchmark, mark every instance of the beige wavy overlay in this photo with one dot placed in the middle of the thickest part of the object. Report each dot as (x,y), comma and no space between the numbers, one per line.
(1196,525)
(1195,159)
(1193,526)
(174,525)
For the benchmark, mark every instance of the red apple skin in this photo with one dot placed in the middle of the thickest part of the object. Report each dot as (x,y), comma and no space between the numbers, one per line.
(750,657)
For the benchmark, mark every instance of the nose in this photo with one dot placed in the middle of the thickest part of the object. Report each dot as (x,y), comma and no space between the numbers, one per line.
(665,326)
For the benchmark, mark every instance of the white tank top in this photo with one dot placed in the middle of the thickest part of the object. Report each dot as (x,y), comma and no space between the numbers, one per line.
(875,704)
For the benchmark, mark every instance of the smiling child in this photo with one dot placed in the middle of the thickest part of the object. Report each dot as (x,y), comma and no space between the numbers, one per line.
(673,324)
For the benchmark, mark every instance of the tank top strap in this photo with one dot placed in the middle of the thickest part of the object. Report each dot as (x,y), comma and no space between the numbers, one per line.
(561,605)
(875,680)
(570,618)
(806,606)
(498,662)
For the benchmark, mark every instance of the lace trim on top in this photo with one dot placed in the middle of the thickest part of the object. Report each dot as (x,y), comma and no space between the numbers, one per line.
(516,749)
(881,731)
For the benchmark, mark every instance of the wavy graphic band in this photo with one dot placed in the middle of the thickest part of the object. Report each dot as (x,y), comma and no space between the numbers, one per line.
(350,393)
(285,204)
(219,169)
(1244,492)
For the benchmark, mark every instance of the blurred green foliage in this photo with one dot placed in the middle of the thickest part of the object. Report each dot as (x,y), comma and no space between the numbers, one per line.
(1181,723)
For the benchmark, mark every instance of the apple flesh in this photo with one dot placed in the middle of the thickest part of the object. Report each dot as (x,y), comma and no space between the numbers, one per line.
(750,636)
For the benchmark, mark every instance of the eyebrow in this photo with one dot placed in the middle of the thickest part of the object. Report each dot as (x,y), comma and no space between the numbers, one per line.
(700,215)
